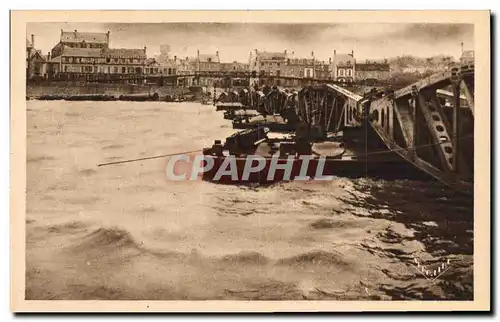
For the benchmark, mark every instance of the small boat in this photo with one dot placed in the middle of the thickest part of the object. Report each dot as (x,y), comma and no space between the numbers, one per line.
(140,97)
(275,123)
(224,106)
(239,115)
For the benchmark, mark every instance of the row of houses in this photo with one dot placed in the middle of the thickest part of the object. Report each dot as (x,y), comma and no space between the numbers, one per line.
(342,67)
(84,53)
(81,53)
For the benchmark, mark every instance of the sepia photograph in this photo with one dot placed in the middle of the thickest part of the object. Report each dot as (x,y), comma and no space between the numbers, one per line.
(248,159)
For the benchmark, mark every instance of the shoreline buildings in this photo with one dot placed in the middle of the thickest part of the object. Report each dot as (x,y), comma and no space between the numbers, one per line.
(343,67)
(79,53)
(89,56)
(35,61)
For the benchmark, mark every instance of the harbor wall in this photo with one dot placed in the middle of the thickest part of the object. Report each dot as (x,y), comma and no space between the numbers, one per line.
(71,89)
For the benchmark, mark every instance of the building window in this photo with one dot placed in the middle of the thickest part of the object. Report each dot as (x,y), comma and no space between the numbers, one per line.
(115,60)
(349,72)
(115,70)
(65,68)
(130,60)
(95,69)
(341,72)
(124,70)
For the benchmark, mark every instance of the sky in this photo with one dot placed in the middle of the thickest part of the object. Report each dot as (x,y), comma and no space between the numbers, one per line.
(234,41)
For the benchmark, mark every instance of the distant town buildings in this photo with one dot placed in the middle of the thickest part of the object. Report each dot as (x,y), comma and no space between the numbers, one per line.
(305,68)
(343,67)
(82,54)
(467,57)
(372,70)
(184,67)
(270,63)
(234,66)
(206,63)
(35,61)
(167,64)
(75,39)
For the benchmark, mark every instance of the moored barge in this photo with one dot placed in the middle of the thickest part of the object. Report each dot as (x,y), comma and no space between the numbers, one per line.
(254,156)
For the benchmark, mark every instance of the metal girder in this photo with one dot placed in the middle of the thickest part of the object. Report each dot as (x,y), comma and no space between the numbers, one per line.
(438,130)
(403,116)
(344,92)
(449,94)
(325,106)
(446,178)
(456,124)
(469,94)
(432,141)
(306,109)
(442,77)
(341,115)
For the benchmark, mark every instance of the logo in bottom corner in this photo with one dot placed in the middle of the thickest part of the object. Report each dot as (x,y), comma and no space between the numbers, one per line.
(432,271)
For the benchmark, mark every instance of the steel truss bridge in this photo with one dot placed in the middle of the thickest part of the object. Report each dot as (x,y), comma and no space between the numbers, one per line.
(429,123)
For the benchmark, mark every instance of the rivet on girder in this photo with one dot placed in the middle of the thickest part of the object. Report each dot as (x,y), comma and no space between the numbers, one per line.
(414,90)
(456,77)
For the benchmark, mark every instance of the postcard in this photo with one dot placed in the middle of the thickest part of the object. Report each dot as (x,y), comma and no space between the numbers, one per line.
(250,161)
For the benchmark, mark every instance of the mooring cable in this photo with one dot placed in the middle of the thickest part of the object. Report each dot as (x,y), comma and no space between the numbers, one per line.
(148,158)
(340,154)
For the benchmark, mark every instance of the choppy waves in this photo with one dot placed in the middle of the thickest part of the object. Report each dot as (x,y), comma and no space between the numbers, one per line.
(125,233)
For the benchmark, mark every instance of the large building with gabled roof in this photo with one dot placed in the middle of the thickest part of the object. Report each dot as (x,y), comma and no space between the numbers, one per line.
(35,61)
(89,53)
(77,39)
